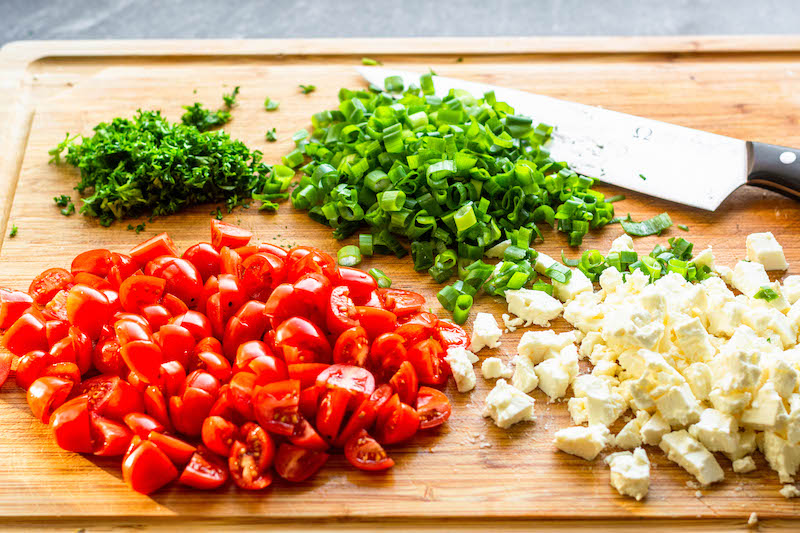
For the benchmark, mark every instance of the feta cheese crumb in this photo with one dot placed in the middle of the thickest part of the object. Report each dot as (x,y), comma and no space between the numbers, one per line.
(524,377)
(507,405)
(789,491)
(623,243)
(764,249)
(744,465)
(585,442)
(716,431)
(535,307)
(692,456)
(654,429)
(748,277)
(493,367)
(630,473)
(485,332)
(511,324)
(630,436)
(540,345)
(460,361)
(791,288)
(498,249)
(556,374)
(753,520)
(577,284)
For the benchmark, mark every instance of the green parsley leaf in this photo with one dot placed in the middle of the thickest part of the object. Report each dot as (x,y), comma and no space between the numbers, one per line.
(217,214)
(63,200)
(305,89)
(67,211)
(138,228)
(14,230)
(271,105)
(230,99)
(56,152)
(271,135)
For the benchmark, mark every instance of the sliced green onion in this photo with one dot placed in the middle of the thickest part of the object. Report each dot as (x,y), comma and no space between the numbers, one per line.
(615,198)
(382,279)
(271,105)
(422,253)
(293,159)
(394,84)
(462,307)
(365,244)
(766,293)
(683,227)
(370,62)
(559,273)
(652,226)
(349,255)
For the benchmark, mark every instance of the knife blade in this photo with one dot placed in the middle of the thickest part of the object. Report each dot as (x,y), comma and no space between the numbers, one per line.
(680,164)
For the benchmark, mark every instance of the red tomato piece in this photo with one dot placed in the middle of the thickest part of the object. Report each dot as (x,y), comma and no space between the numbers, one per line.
(397,422)
(218,434)
(309,401)
(97,262)
(375,321)
(29,367)
(93,281)
(157,246)
(298,464)
(224,234)
(251,458)
(188,411)
(213,363)
(63,370)
(352,347)
(129,329)
(242,386)
(427,357)
(388,352)
(305,436)
(144,358)
(314,289)
(46,394)
(357,381)
(433,407)
(177,343)
(55,330)
(340,311)
(56,309)
(109,438)
(330,414)
(142,424)
(12,305)
(366,414)
(205,471)
(230,262)
(285,302)
(249,323)
(247,352)
(155,405)
(138,291)
(26,334)
(302,260)
(147,469)
(306,373)
(401,302)
(197,324)
(71,427)
(111,396)
(174,305)
(208,344)
(122,267)
(204,258)
(451,335)
(48,283)
(272,249)
(183,279)
(178,451)
(303,334)
(156,315)
(364,453)
(276,406)
(405,383)
(360,283)
(106,357)
(261,273)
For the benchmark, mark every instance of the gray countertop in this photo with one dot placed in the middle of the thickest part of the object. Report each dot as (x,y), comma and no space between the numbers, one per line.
(146,19)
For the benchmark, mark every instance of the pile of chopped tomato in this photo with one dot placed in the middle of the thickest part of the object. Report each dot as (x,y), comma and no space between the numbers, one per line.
(231,360)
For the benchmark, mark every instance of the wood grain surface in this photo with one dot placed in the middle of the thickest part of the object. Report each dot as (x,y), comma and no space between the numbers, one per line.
(468,470)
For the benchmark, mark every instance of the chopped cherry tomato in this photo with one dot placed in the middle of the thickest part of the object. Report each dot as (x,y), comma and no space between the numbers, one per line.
(230,262)
(155,405)
(88,309)
(427,357)
(249,323)
(139,291)
(285,302)
(29,367)
(12,305)
(111,396)
(109,438)
(63,370)
(272,249)
(360,283)
(305,436)
(401,302)
(25,335)
(388,352)
(306,373)
(218,434)
(340,311)
(276,406)
(330,414)
(262,272)
(205,259)
(451,335)
(302,260)
(46,394)
(357,381)
(364,453)
(300,333)
(144,358)
(250,458)
(241,390)
(298,464)
(405,383)
(197,324)
(93,281)
(433,407)
(397,422)
(182,278)
(156,315)
(366,414)
(376,321)
(97,262)
(205,471)
(178,451)
(224,234)
(71,427)
(213,363)
(157,246)
(352,347)
(177,343)
(141,424)
(48,283)
(147,469)
(122,267)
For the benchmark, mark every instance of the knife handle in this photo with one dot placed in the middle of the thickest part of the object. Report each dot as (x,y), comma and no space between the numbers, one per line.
(773,167)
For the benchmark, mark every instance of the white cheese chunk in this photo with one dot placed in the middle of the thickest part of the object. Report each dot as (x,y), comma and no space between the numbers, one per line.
(744,465)
(692,456)
(493,367)
(705,258)
(556,374)
(630,436)
(783,457)
(789,491)
(791,288)
(543,262)
(699,378)
(535,307)
(507,405)
(524,377)
(594,396)
(461,365)
(764,249)
(716,431)
(540,345)
(623,243)
(748,277)
(693,339)
(630,473)
(485,332)
(678,406)
(793,420)
(512,324)
(577,284)
(654,430)
(766,413)
(585,442)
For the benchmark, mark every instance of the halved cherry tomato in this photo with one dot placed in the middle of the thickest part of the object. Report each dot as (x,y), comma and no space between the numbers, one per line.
(427,357)
(74,348)
(156,315)
(109,438)
(178,451)
(340,311)
(63,370)
(397,422)
(241,389)
(433,407)
(224,234)
(122,267)
(405,383)
(276,406)
(46,394)
(111,396)
(401,302)
(305,436)
(56,309)
(358,381)
(230,262)
(272,249)
(48,283)
(183,279)
(129,329)
(55,330)
(375,321)
(12,305)
(298,332)
(176,342)
(306,373)
(71,427)
(309,401)
(250,458)
(213,363)
(451,335)
(360,283)
(93,281)
(366,414)
(249,323)
(154,247)
(205,471)
(188,411)
(197,324)
(261,273)
(29,367)
(218,434)
(208,344)
(138,291)
(155,405)
(96,262)
(314,289)
(388,352)
(285,302)
(26,334)
(144,358)
(173,304)
(298,464)
(205,259)
(147,469)
(141,424)
(330,414)
(364,453)
(302,260)
(352,347)
(106,357)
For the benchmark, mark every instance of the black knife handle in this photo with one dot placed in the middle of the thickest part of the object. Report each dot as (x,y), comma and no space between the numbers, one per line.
(773,167)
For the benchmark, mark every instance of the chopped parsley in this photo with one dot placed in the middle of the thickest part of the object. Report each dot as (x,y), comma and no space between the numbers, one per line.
(305,89)
(642,176)
(137,228)
(271,135)
(230,99)
(14,230)
(62,201)
(270,104)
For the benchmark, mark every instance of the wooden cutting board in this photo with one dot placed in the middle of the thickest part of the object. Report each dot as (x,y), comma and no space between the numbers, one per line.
(469,470)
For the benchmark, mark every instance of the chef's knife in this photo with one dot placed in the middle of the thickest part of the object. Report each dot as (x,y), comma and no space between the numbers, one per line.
(680,164)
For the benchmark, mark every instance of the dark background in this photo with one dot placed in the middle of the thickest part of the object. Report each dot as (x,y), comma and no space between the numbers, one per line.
(146,19)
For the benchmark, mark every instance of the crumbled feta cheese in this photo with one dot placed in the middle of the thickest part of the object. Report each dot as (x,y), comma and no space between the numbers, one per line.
(783,457)
(511,324)
(524,377)
(654,430)
(716,431)
(623,243)
(692,339)
(543,262)
(577,284)
(507,405)
(610,279)
(594,397)
(699,378)
(585,442)
(556,374)
(692,456)
(766,413)
(540,345)
(753,519)
(725,273)
(748,277)
(485,332)
(535,307)
(791,288)
(630,473)
(630,436)
(585,312)
(493,367)
(744,465)
(764,249)
(705,258)
(497,251)
(461,361)
(789,491)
